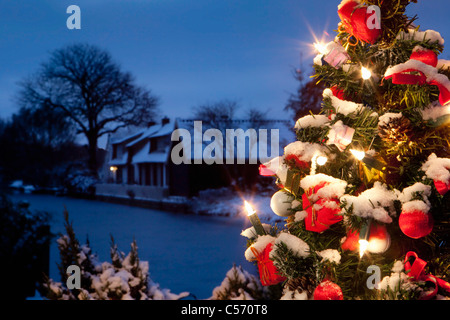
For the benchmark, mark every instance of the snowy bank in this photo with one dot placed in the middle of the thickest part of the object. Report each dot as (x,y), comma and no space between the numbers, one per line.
(226,202)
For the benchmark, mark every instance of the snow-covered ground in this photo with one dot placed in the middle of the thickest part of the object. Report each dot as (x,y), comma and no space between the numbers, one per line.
(185,252)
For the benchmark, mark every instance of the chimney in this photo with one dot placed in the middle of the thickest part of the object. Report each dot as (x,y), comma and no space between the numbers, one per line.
(165,121)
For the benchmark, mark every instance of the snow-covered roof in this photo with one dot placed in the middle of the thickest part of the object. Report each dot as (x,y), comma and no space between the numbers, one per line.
(144,156)
(154,131)
(123,138)
(140,140)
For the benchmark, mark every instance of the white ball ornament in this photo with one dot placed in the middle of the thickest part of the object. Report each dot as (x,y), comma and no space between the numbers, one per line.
(280,203)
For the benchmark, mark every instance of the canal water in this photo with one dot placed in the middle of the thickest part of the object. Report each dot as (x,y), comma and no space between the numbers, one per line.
(185,252)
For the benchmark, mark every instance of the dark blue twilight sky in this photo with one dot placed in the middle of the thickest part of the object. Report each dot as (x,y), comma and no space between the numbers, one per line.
(187,52)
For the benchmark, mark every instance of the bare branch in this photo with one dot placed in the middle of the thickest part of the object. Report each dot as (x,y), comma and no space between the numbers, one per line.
(90,88)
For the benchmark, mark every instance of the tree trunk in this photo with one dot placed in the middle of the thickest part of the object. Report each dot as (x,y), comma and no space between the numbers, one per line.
(92,154)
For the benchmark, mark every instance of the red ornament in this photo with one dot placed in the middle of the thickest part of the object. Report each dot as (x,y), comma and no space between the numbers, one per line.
(379,239)
(328,290)
(338,92)
(268,273)
(354,20)
(416,224)
(442,187)
(321,219)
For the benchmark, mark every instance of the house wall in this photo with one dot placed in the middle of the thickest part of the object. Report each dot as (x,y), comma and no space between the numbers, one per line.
(152,174)
(124,174)
(179,179)
(188,180)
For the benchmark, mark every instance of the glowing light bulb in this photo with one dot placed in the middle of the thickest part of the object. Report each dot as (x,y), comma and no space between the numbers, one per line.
(113,169)
(320,47)
(363,244)
(254,219)
(365,73)
(358,154)
(249,208)
(321,160)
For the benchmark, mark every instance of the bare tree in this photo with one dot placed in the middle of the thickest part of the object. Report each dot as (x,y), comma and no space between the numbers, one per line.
(38,146)
(216,112)
(307,98)
(257,117)
(43,126)
(84,83)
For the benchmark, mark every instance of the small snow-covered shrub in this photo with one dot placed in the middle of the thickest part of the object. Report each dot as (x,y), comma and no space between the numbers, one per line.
(124,278)
(241,285)
(80,183)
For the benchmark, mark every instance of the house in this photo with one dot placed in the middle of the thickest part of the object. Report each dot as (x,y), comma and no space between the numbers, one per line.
(136,165)
(180,157)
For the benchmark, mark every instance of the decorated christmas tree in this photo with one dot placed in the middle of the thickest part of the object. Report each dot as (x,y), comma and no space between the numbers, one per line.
(364,191)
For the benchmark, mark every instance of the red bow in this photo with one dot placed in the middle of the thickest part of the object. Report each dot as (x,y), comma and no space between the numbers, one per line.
(354,20)
(268,273)
(416,271)
(421,69)
(320,220)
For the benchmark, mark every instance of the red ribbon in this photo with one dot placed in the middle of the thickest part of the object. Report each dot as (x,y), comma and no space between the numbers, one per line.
(444,92)
(416,271)
(407,77)
(419,76)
